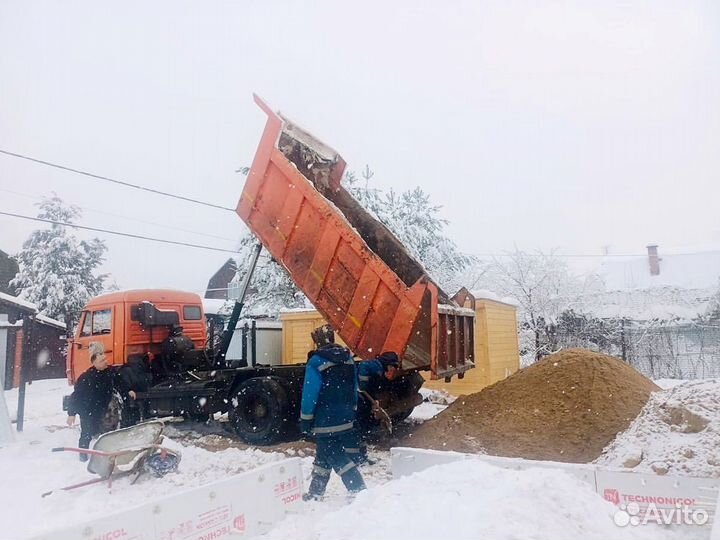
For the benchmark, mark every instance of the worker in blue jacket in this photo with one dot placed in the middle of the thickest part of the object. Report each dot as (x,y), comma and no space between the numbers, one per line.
(327,412)
(371,374)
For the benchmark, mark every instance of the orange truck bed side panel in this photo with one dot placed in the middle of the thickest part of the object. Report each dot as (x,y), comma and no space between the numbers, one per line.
(296,207)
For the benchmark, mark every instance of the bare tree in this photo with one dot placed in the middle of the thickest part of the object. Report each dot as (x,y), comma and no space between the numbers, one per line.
(714,308)
(543,287)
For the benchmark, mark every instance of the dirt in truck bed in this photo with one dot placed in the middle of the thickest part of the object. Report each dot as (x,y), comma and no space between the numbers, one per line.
(318,169)
(567,407)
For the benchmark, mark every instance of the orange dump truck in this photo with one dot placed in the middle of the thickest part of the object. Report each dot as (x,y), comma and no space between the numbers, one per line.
(355,271)
(352,268)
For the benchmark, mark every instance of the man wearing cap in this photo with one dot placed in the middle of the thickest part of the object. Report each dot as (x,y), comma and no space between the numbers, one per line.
(371,374)
(328,411)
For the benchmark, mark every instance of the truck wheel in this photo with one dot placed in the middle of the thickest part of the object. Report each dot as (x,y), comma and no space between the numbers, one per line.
(259,411)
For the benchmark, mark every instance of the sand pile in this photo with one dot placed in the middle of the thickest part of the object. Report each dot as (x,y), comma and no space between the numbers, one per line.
(567,407)
(678,432)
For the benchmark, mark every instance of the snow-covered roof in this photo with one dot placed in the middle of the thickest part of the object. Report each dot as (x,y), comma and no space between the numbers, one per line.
(19,302)
(658,303)
(51,322)
(214,306)
(297,310)
(32,308)
(483,294)
(699,270)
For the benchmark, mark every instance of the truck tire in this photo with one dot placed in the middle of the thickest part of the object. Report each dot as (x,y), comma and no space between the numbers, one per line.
(259,411)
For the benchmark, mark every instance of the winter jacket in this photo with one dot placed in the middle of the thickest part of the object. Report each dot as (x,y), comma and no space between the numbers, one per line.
(329,397)
(93,391)
(367,371)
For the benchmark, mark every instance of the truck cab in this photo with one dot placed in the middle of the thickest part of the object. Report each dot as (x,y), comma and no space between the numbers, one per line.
(111,322)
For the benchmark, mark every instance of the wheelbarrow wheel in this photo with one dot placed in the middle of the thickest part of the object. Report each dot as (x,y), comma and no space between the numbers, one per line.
(259,411)
(161,463)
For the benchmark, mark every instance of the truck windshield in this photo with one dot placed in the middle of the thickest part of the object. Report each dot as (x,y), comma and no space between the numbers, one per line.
(101,321)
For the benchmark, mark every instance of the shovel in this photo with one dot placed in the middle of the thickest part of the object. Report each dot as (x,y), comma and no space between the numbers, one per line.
(378,412)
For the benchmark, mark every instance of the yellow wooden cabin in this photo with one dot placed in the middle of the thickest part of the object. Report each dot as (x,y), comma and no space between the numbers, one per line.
(296,340)
(497,352)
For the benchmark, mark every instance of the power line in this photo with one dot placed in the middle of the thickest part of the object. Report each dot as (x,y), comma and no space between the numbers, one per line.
(117,233)
(220,207)
(588,255)
(128,218)
(114,181)
(559,255)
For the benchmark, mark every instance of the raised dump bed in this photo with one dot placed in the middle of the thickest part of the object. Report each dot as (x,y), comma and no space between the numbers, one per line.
(356,273)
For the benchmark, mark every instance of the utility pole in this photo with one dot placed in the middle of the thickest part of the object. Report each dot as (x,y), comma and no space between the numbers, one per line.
(6,433)
(27,329)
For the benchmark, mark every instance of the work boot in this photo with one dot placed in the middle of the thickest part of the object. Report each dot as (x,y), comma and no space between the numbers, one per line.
(352,479)
(310,497)
(318,483)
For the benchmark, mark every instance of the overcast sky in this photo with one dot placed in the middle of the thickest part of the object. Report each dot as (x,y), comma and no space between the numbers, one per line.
(571,125)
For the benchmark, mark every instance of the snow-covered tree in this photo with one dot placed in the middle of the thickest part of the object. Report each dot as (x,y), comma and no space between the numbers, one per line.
(418,224)
(544,288)
(57,270)
(410,215)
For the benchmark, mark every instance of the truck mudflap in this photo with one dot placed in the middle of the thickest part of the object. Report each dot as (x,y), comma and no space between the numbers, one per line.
(353,269)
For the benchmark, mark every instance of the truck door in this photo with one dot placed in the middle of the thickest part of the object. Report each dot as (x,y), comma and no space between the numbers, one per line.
(96,326)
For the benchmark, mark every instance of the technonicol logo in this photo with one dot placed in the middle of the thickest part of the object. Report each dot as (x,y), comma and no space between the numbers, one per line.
(658,510)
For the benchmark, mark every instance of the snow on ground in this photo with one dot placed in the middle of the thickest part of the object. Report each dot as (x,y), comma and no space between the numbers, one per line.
(434,402)
(677,432)
(425,411)
(471,500)
(468,499)
(669,383)
(30,468)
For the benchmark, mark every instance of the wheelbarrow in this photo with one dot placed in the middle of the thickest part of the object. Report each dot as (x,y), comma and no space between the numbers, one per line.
(130,451)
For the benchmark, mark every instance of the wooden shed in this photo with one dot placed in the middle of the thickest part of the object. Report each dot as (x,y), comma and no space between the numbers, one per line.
(497,353)
(43,352)
(296,328)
